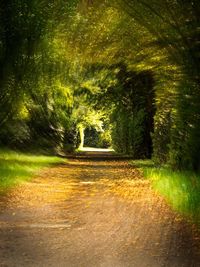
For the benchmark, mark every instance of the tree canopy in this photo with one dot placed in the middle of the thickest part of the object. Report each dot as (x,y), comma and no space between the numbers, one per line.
(128,67)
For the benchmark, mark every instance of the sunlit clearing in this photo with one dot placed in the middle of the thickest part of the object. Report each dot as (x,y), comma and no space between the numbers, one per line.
(94,149)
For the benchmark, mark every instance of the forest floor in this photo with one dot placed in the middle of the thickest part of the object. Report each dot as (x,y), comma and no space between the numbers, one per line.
(96,210)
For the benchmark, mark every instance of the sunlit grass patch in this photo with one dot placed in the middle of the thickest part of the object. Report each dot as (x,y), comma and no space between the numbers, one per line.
(180,188)
(17,167)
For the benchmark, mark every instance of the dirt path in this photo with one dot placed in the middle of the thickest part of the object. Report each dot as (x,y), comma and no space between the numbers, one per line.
(93,212)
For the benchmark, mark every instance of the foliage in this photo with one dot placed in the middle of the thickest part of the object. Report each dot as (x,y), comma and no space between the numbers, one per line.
(127,97)
(32,78)
(174,26)
(132,65)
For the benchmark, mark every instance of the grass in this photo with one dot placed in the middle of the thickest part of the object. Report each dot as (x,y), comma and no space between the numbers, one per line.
(17,167)
(180,188)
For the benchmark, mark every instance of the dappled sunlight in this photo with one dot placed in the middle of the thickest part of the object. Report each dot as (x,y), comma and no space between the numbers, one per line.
(94,208)
(69,185)
(78,179)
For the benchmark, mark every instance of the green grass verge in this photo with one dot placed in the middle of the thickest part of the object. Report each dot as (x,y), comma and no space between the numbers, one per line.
(180,188)
(17,167)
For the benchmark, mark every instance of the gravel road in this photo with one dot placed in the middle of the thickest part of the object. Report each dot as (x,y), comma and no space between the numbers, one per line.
(94,211)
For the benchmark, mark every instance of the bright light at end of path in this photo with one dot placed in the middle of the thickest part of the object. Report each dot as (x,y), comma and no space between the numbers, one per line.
(94,149)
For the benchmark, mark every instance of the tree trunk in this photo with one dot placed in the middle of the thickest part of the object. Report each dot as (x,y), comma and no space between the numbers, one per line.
(82,136)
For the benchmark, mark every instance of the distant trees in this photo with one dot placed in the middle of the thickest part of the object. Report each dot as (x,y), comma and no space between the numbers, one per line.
(127,100)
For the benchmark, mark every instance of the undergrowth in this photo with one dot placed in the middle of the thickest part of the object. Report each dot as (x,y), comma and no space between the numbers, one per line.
(180,188)
(16,167)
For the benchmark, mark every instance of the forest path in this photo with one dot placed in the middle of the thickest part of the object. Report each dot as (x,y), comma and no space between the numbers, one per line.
(94,211)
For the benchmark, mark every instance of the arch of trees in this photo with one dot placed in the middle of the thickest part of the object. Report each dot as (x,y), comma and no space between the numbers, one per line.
(133,65)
